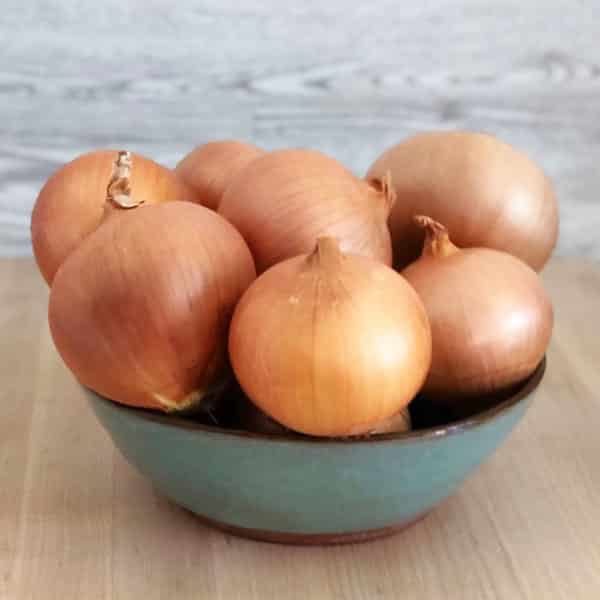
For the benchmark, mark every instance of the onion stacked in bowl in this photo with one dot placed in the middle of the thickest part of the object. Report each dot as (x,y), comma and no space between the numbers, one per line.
(418,279)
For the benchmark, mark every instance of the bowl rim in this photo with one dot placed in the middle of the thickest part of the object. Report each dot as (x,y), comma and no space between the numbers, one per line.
(479,419)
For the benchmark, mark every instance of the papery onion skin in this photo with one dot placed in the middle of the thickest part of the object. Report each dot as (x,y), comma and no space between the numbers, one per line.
(282,202)
(72,202)
(210,168)
(140,310)
(485,191)
(330,344)
(491,319)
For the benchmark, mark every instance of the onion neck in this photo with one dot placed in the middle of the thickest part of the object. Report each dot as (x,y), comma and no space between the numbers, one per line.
(327,253)
(437,242)
(384,193)
(118,189)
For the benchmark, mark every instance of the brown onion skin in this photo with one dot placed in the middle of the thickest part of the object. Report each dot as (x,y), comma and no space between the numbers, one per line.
(72,202)
(282,202)
(486,192)
(210,168)
(330,344)
(140,310)
(491,319)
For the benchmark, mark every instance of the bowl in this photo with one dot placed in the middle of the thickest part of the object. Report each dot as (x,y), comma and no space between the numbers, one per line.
(309,490)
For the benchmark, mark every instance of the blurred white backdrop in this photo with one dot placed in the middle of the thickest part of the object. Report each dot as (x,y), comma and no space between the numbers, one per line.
(348,78)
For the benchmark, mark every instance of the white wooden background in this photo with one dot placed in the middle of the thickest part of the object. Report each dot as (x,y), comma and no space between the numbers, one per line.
(347,77)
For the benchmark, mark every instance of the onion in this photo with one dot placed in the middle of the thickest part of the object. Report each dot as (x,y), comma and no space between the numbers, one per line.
(491,320)
(72,202)
(487,193)
(330,344)
(140,310)
(282,202)
(208,169)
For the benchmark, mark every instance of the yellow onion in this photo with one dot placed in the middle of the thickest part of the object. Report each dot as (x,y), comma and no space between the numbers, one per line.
(140,310)
(210,168)
(486,192)
(491,320)
(284,200)
(73,201)
(330,344)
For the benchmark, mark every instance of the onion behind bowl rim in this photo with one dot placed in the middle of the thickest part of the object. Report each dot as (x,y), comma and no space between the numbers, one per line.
(480,419)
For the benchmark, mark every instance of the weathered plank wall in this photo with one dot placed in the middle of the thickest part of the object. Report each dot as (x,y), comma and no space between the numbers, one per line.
(349,78)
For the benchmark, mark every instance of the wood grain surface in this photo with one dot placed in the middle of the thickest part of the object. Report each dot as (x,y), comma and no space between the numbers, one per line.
(77,522)
(348,78)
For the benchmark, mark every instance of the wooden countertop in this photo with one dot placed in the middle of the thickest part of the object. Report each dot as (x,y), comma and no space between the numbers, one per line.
(76,522)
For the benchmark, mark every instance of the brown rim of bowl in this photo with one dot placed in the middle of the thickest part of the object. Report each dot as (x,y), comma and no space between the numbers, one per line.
(527,387)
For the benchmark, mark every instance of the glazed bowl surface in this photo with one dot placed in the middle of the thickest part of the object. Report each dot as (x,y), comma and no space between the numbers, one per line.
(311,490)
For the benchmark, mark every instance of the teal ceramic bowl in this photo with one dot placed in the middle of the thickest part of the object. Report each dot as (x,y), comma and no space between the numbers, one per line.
(306,490)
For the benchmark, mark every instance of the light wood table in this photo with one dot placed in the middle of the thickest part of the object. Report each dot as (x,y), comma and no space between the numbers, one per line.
(76,522)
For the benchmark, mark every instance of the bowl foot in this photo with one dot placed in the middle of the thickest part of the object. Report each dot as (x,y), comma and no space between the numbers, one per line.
(311,539)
